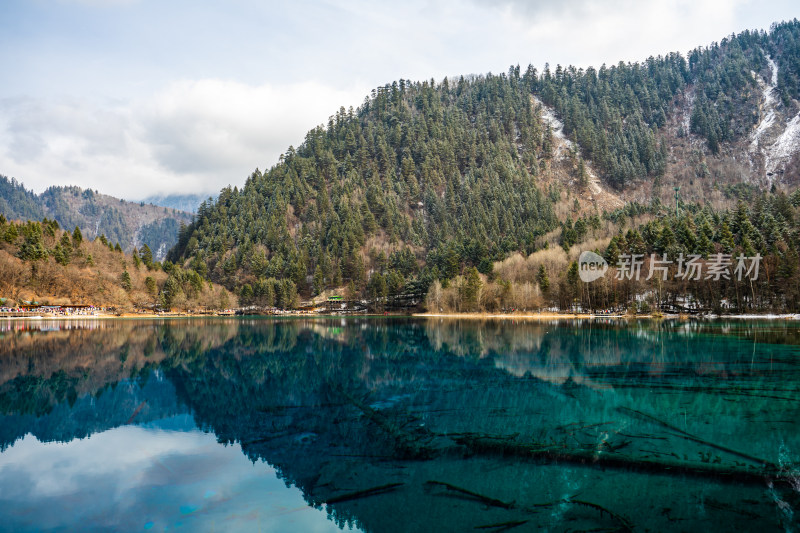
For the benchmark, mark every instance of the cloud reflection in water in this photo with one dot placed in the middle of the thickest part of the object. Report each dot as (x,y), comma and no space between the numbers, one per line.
(147,478)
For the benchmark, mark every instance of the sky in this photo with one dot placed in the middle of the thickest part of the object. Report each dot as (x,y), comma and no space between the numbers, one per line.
(137,98)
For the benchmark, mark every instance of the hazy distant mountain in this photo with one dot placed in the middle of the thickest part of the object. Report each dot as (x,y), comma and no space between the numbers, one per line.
(181,202)
(131,224)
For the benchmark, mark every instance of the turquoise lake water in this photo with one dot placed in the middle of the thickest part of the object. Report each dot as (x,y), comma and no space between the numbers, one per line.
(399,424)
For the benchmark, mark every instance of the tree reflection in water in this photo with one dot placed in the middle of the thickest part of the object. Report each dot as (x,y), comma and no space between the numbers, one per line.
(412,424)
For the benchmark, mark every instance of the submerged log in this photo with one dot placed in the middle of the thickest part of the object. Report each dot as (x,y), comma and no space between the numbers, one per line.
(504,526)
(407,446)
(490,502)
(688,436)
(619,518)
(495,446)
(374,491)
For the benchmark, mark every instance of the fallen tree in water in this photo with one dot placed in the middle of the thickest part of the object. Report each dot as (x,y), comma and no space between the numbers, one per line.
(508,447)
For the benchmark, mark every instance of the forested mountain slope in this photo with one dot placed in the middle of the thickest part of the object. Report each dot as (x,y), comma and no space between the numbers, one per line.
(427,179)
(444,171)
(130,224)
(725,114)
(41,262)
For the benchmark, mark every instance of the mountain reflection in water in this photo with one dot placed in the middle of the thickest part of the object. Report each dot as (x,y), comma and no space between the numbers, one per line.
(430,424)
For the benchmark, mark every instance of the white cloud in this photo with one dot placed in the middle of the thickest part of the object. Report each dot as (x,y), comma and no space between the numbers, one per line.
(585,32)
(214,124)
(193,136)
(210,93)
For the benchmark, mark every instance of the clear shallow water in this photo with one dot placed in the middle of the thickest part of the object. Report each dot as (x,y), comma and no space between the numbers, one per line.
(399,425)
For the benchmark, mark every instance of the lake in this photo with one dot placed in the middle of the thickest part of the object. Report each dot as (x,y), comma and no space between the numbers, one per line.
(399,424)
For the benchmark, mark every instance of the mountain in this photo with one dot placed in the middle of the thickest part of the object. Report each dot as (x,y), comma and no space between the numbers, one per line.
(725,115)
(421,169)
(443,181)
(130,224)
(41,262)
(181,202)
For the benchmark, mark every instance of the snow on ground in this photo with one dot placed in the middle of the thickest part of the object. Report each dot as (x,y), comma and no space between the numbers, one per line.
(563,144)
(687,112)
(763,126)
(556,126)
(758,317)
(768,106)
(774,67)
(784,147)
(161,253)
(773,126)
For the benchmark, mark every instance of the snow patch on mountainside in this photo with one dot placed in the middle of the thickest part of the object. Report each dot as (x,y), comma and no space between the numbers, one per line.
(556,126)
(561,149)
(767,107)
(161,253)
(774,139)
(686,121)
(787,144)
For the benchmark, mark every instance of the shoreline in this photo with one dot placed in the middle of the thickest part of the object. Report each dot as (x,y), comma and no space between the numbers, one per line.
(589,316)
(448,316)
(513,316)
(106,316)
